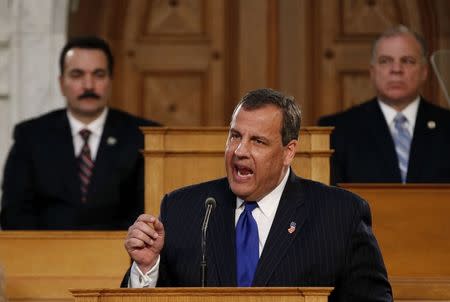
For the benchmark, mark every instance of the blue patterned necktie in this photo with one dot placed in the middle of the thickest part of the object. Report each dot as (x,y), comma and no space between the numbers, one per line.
(247,245)
(402,140)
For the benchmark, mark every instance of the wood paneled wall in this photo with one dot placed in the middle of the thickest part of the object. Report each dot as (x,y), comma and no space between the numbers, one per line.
(187,62)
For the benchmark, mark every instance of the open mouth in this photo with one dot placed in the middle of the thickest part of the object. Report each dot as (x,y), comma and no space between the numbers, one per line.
(243,172)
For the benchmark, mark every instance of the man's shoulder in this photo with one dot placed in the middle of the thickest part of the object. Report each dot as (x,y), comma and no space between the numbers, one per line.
(315,186)
(202,188)
(329,196)
(37,123)
(436,111)
(348,116)
(128,118)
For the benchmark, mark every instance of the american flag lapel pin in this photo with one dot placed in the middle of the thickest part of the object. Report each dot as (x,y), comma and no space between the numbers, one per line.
(292,227)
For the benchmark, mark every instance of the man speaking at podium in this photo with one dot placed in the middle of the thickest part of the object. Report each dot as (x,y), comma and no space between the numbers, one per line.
(266,226)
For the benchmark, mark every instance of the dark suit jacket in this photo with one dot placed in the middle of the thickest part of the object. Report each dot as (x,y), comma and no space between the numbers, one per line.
(365,151)
(333,244)
(41,186)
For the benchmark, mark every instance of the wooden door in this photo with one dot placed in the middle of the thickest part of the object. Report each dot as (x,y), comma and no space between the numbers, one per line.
(170,56)
(171,61)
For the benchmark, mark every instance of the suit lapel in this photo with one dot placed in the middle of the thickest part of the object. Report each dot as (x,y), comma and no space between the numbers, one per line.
(289,210)
(383,139)
(222,231)
(421,142)
(106,154)
(62,155)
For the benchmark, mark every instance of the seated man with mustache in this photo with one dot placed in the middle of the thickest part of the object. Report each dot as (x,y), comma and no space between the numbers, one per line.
(397,137)
(80,167)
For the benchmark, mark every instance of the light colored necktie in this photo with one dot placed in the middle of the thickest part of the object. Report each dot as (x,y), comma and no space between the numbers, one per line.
(247,245)
(85,165)
(402,140)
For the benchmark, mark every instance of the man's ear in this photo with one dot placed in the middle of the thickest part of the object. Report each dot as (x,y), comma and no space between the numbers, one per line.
(425,73)
(60,80)
(371,71)
(289,151)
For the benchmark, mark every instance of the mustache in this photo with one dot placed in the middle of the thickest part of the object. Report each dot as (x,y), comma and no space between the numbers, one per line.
(89,95)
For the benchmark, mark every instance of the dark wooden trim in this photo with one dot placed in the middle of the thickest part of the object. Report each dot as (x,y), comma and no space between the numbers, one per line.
(429,24)
(315,67)
(231,58)
(273,44)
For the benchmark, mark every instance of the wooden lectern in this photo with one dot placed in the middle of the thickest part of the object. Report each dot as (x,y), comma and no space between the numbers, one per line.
(177,157)
(214,294)
(412,226)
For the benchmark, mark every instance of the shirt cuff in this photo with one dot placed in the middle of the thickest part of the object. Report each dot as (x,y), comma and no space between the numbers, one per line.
(141,280)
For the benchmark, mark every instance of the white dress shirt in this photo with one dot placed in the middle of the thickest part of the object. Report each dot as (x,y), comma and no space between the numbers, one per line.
(263,215)
(96,128)
(265,212)
(410,112)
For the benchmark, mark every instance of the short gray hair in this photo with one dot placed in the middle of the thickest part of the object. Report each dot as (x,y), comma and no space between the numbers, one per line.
(400,30)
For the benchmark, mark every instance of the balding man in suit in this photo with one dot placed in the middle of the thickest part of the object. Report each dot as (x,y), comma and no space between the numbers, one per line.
(397,137)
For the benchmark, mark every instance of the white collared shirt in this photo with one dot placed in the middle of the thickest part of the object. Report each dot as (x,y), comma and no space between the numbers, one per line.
(96,128)
(263,214)
(410,112)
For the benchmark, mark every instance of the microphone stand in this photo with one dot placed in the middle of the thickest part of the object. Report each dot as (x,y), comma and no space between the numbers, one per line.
(203,267)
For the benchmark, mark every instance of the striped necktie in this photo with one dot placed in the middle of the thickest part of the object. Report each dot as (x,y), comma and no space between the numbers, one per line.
(247,245)
(85,164)
(402,140)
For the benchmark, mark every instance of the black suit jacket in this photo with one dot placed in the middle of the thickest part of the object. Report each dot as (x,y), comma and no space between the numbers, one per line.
(41,186)
(333,244)
(364,151)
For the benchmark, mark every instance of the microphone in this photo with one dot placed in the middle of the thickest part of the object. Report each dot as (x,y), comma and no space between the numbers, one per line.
(210,204)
